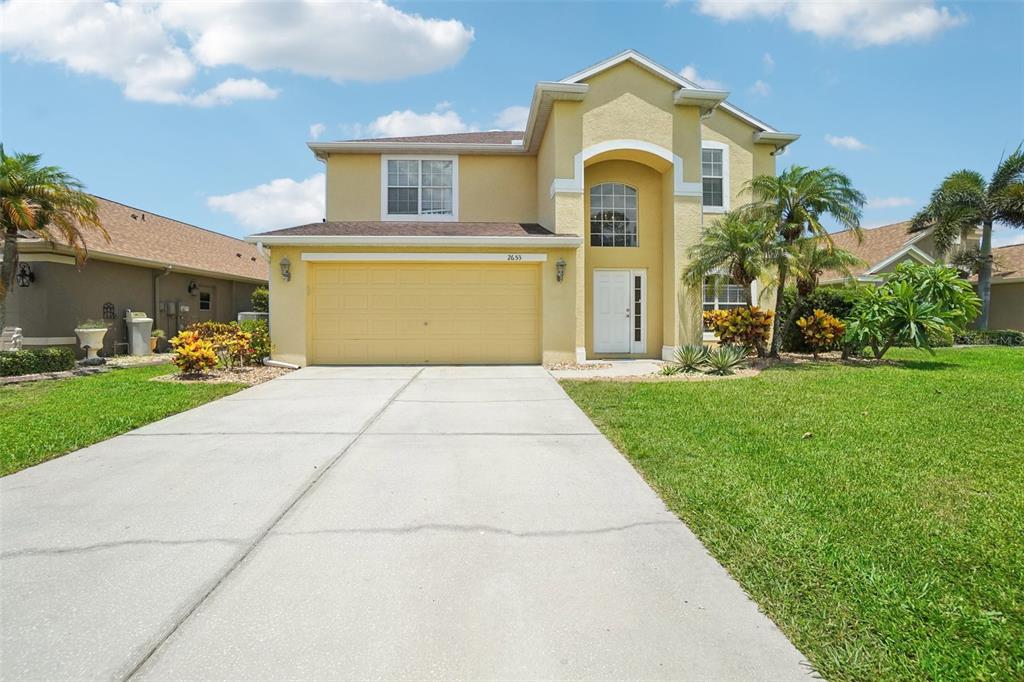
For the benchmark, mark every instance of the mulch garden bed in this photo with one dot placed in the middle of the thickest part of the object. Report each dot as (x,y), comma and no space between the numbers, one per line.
(249,375)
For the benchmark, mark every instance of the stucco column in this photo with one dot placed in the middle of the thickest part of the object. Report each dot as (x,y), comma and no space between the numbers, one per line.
(569,220)
(683,325)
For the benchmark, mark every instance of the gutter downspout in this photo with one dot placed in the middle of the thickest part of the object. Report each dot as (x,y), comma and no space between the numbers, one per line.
(156,293)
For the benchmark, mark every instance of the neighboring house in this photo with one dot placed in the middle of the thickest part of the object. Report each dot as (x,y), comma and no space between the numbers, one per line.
(1006,311)
(175,272)
(562,242)
(883,248)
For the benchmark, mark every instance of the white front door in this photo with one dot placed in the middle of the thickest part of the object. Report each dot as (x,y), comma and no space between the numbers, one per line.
(613,311)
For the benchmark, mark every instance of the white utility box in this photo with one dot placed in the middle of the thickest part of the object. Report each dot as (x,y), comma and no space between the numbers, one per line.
(140,328)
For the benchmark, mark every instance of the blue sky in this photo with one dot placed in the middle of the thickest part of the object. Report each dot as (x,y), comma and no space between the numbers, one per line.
(201,111)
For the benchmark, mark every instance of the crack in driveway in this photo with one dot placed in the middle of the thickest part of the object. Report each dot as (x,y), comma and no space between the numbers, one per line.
(54,551)
(476,528)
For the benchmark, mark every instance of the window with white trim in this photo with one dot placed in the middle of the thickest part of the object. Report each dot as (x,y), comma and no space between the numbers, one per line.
(419,188)
(720,293)
(613,215)
(712,167)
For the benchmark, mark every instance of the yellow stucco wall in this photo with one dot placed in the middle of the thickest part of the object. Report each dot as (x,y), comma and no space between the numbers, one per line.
(1006,309)
(498,189)
(353,187)
(645,256)
(290,301)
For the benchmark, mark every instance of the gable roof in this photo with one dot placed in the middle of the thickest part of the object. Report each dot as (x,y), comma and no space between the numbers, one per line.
(880,244)
(151,239)
(545,94)
(669,75)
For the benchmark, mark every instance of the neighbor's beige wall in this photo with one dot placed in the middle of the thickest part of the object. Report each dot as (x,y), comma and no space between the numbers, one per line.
(290,301)
(1006,310)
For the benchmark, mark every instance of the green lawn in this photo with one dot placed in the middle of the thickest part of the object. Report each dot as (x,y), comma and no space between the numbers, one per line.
(45,419)
(888,544)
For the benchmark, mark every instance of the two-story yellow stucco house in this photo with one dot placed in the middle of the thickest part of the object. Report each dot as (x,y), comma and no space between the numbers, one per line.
(559,243)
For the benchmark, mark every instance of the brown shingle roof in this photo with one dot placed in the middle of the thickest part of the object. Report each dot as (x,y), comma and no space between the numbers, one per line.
(142,235)
(409,229)
(879,243)
(1008,261)
(489,137)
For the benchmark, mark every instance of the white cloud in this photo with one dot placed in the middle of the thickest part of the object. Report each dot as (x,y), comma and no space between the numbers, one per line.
(859,22)
(889,202)
(768,62)
(761,88)
(512,118)
(153,50)
(279,203)
(407,123)
(316,130)
(848,142)
(234,89)
(689,72)
(343,41)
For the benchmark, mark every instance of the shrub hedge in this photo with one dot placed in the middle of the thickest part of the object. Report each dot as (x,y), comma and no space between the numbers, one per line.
(260,300)
(996,337)
(836,301)
(260,332)
(36,360)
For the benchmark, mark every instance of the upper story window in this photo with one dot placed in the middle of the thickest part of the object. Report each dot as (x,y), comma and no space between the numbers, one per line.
(419,188)
(714,166)
(613,215)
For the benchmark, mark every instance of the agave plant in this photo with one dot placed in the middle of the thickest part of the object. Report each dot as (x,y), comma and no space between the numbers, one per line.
(691,358)
(726,359)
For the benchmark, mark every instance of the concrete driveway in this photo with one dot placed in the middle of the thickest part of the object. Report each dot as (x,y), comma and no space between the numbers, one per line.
(440,522)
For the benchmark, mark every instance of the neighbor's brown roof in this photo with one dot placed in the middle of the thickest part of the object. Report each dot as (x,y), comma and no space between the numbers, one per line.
(1008,261)
(138,234)
(409,229)
(489,137)
(878,244)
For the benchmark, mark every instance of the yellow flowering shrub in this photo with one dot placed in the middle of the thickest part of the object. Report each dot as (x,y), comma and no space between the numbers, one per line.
(192,353)
(822,331)
(749,327)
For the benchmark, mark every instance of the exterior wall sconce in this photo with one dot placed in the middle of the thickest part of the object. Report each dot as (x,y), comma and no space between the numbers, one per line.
(286,269)
(24,276)
(560,269)
(192,287)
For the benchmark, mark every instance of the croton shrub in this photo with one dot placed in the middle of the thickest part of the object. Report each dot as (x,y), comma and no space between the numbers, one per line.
(192,353)
(822,332)
(748,327)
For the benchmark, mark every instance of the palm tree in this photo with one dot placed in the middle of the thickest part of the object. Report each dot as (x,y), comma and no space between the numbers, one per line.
(812,257)
(965,200)
(42,201)
(795,201)
(738,243)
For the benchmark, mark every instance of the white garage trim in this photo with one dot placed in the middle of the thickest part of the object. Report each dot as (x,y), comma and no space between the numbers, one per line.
(427,257)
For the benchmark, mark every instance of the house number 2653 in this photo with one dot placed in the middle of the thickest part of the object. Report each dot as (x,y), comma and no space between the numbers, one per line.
(514,256)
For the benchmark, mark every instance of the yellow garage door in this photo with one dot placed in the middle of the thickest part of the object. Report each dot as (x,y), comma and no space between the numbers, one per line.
(412,313)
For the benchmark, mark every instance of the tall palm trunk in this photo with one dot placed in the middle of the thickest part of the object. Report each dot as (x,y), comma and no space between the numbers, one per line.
(10,262)
(985,274)
(780,301)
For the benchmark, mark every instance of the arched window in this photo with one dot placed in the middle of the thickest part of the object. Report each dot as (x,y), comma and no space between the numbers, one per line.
(613,215)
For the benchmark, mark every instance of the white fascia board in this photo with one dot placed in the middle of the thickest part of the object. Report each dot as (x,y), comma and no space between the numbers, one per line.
(545,94)
(322,148)
(780,140)
(909,250)
(432,257)
(553,241)
(707,100)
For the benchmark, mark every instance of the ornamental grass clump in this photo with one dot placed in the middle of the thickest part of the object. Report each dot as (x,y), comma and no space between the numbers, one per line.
(822,332)
(725,360)
(691,358)
(192,353)
(746,326)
